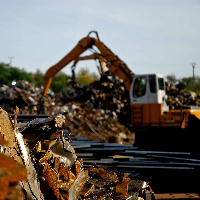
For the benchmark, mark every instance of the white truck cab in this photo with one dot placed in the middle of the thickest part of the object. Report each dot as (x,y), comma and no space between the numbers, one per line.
(147,89)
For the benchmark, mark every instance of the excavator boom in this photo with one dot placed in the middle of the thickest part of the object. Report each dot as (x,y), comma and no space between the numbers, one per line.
(94,56)
(115,65)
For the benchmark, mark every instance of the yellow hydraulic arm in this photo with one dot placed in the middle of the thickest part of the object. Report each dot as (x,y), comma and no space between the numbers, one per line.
(115,65)
(103,63)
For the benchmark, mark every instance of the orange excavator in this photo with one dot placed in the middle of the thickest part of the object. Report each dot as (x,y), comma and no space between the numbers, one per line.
(116,66)
(149,112)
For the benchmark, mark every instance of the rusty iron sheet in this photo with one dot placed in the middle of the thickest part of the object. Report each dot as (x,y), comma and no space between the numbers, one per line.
(51,177)
(7,129)
(11,173)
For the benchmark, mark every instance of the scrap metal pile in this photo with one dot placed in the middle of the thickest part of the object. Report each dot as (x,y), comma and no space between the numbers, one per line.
(177,97)
(100,107)
(24,95)
(108,95)
(38,162)
(95,124)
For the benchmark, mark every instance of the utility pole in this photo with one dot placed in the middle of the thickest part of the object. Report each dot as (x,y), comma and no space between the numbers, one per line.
(193,66)
(10,61)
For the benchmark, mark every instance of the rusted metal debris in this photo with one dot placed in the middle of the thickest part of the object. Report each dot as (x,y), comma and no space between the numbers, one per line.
(177,97)
(108,95)
(43,160)
(11,173)
(18,150)
(101,107)
(84,121)
(24,95)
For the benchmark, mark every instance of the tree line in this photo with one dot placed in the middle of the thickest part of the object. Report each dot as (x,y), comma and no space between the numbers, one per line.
(191,83)
(8,74)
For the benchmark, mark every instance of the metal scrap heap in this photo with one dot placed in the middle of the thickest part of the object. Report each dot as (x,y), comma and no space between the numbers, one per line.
(107,95)
(24,95)
(177,97)
(96,124)
(38,162)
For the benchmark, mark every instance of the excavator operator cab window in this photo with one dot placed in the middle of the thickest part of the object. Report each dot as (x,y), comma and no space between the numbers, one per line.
(161,83)
(139,88)
(152,83)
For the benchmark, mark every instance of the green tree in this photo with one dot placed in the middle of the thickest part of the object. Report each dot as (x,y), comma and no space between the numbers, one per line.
(184,82)
(17,74)
(8,74)
(5,74)
(38,78)
(59,82)
(171,78)
(84,77)
(94,76)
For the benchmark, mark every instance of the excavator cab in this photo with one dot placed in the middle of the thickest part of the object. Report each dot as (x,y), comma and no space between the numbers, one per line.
(147,89)
(147,98)
(148,104)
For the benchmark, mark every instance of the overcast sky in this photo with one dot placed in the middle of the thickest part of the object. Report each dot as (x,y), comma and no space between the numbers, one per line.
(150,36)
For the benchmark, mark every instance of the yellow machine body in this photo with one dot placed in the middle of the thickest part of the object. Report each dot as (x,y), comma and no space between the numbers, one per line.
(153,115)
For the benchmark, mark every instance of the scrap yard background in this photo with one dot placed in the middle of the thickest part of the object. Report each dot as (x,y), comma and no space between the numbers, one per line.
(100,132)
(99,100)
